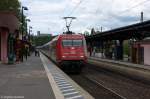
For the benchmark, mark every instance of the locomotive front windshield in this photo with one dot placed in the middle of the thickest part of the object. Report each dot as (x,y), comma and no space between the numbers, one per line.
(72,42)
(67,42)
(77,42)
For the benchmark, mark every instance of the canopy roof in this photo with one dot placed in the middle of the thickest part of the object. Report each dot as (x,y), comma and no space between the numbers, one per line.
(9,20)
(137,31)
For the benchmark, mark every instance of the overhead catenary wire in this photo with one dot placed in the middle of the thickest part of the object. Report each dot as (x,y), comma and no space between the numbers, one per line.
(81,1)
(69,15)
(127,10)
(111,16)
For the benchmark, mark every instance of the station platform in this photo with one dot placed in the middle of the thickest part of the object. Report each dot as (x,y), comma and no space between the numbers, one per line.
(26,80)
(37,78)
(136,71)
(140,66)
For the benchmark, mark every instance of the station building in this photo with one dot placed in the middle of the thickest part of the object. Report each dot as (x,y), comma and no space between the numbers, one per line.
(128,44)
(8,24)
(141,52)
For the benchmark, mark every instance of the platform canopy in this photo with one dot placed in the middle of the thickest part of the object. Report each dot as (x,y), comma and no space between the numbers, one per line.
(9,20)
(136,31)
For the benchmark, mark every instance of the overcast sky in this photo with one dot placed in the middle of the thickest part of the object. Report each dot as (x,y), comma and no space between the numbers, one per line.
(46,15)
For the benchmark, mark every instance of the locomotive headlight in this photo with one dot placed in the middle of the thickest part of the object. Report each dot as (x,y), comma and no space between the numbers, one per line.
(82,56)
(63,56)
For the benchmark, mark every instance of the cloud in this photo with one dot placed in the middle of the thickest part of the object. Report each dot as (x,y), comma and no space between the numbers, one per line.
(46,15)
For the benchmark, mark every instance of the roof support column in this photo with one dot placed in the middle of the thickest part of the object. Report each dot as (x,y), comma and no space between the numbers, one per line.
(102,49)
(4,36)
(89,48)
(121,49)
(118,50)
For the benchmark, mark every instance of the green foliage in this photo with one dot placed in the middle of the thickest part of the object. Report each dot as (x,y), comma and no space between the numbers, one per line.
(86,33)
(15,7)
(126,48)
(41,40)
(10,5)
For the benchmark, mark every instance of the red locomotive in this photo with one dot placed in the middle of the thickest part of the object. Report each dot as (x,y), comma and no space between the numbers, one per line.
(68,50)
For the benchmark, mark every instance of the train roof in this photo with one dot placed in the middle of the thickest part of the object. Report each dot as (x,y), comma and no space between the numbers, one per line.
(64,36)
(68,36)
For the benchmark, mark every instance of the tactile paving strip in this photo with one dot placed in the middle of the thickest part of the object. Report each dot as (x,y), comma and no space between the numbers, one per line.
(66,88)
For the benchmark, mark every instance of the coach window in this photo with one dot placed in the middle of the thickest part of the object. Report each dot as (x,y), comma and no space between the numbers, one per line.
(77,43)
(67,42)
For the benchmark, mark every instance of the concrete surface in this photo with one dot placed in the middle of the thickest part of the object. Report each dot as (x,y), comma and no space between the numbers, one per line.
(25,80)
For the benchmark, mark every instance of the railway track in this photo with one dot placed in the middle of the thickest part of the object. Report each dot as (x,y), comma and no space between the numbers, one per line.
(108,89)
(97,91)
(103,84)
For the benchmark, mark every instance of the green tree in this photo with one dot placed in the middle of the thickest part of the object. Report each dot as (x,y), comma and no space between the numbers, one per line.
(126,47)
(10,5)
(41,40)
(93,31)
(15,7)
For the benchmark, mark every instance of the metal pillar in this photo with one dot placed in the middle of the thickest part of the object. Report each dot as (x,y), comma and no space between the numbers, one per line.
(121,50)
(102,47)
(118,50)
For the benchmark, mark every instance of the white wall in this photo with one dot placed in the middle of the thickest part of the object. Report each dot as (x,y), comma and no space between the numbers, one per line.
(146,54)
